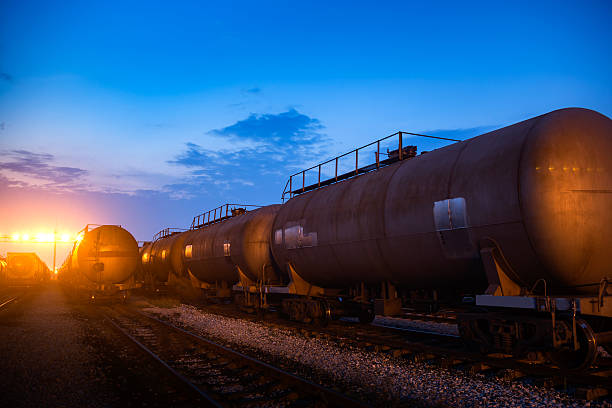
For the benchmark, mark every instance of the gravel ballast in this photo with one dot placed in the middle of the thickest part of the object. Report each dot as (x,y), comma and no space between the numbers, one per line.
(368,372)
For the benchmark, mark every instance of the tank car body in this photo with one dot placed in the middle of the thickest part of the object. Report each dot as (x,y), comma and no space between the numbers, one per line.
(166,256)
(234,249)
(145,262)
(25,268)
(162,259)
(102,262)
(537,190)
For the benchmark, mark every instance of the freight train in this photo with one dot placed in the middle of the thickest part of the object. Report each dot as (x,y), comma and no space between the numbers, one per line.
(512,225)
(102,262)
(24,269)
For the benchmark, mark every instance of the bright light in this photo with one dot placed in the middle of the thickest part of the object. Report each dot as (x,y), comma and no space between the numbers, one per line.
(80,237)
(65,238)
(43,237)
(26,237)
(16,237)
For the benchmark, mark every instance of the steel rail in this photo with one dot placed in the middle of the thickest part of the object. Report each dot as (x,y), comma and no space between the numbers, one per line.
(329,396)
(310,389)
(8,302)
(209,401)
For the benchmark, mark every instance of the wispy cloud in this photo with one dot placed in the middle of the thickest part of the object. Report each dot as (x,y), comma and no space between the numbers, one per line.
(268,147)
(25,167)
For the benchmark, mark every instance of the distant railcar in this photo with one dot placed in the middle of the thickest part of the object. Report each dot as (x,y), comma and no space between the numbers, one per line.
(221,253)
(162,260)
(103,262)
(25,268)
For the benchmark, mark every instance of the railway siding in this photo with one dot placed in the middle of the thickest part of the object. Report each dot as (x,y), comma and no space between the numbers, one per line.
(366,360)
(222,376)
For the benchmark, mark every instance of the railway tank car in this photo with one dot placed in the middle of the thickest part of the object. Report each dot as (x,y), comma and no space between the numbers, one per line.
(162,259)
(25,268)
(102,262)
(518,218)
(232,248)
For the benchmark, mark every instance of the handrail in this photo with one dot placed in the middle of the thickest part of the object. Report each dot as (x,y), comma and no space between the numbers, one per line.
(393,156)
(166,232)
(218,214)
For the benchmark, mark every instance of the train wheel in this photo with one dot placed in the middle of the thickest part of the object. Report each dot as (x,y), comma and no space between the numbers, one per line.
(579,359)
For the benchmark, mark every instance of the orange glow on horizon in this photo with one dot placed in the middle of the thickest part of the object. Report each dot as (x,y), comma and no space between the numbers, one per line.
(28,212)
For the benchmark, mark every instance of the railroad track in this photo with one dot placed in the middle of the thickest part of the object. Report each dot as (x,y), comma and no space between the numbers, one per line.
(7,301)
(447,351)
(218,375)
(10,295)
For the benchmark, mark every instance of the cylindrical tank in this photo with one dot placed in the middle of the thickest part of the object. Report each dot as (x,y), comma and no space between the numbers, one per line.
(540,190)
(166,256)
(214,253)
(106,254)
(23,266)
(145,258)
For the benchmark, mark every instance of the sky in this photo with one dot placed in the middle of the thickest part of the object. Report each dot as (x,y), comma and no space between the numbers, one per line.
(145,113)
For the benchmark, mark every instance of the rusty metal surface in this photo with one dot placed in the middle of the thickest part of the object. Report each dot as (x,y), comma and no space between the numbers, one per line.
(566,195)
(241,241)
(166,257)
(382,225)
(110,245)
(145,258)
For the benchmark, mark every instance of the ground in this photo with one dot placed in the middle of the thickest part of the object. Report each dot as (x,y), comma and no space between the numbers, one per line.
(55,353)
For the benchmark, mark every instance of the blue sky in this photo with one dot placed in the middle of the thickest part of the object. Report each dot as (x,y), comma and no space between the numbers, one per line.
(146,113)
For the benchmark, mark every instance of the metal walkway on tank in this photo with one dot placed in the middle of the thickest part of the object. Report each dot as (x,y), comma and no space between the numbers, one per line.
(402,152)
(223,212)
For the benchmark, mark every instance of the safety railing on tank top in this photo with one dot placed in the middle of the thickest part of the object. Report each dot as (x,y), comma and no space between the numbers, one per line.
(166,232)
(221,213)
(295,187)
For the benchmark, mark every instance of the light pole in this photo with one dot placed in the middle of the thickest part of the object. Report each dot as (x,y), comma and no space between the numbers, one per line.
(54,249)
